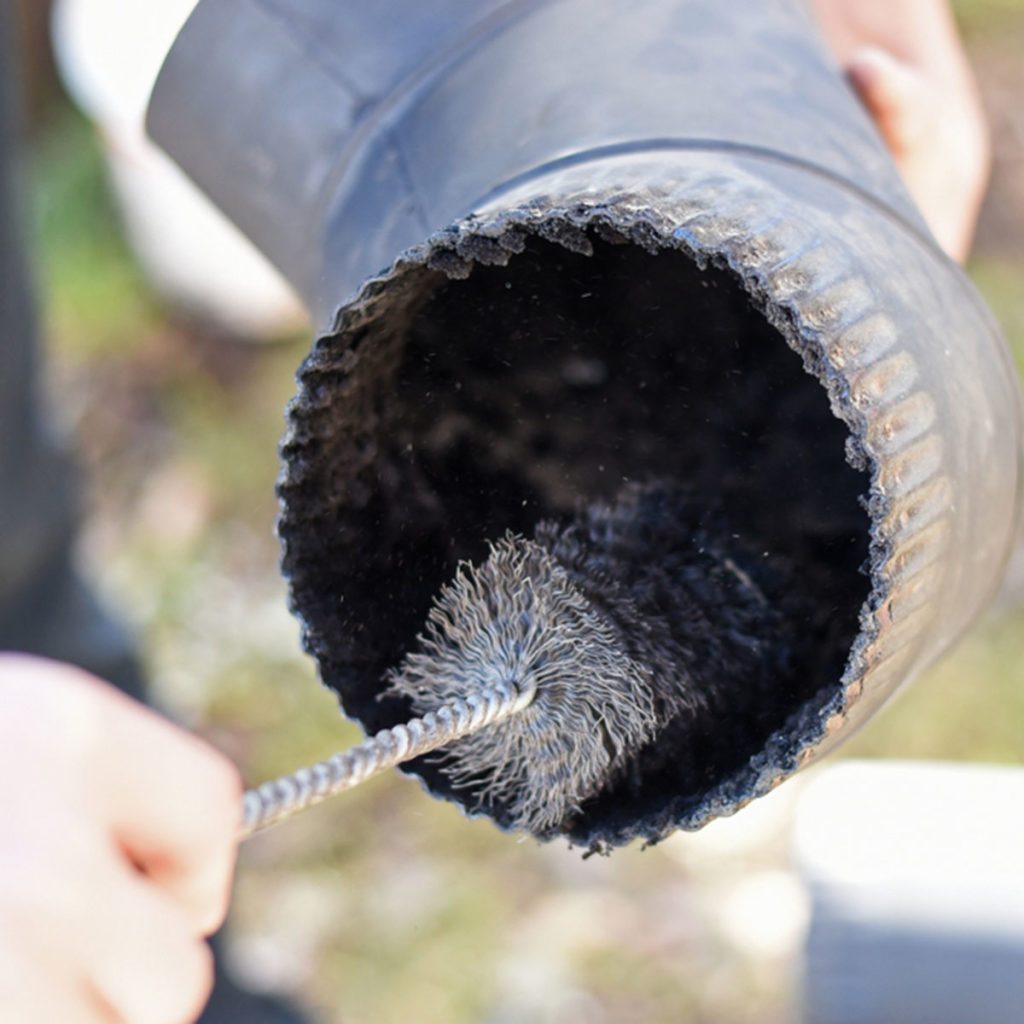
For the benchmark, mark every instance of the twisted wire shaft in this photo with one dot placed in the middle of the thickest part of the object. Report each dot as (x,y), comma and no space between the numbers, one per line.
(274,801)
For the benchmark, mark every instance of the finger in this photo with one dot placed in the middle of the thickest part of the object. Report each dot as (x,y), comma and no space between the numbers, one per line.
(30,990)
(145,962)
(130,949)
(176,810)
(173,802)
(895,95)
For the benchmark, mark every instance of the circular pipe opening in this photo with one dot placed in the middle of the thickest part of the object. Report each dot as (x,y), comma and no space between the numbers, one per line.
(448,411)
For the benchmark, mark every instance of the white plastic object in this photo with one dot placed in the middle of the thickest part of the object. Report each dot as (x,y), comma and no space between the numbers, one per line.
(109,53)
(916,876)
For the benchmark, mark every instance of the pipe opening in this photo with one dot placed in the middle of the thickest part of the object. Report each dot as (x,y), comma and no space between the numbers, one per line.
(449,411)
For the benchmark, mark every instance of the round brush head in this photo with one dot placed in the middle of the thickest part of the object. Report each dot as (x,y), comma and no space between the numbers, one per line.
(519,619)
(631,621)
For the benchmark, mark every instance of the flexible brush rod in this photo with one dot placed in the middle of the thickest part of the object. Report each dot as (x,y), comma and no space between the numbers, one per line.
(274,801)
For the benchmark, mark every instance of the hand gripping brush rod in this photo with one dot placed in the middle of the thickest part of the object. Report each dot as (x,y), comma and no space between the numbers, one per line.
(515,644)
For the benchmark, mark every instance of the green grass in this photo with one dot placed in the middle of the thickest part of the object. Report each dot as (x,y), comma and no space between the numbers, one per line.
(1001,282)
(983,17)
(96,300)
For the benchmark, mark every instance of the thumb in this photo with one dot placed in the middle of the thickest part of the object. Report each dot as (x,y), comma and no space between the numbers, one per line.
(896,96)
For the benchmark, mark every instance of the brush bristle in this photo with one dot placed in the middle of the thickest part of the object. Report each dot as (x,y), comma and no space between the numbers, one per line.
(519,618)
(641,632)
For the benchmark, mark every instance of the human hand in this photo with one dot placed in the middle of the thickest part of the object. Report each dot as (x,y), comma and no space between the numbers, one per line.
(905,60)
(117,847)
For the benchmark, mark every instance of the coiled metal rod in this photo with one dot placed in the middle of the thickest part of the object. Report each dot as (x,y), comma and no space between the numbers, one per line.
(274,801)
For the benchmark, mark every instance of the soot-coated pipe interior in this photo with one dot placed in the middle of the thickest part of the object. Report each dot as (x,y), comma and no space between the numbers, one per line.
(490,403)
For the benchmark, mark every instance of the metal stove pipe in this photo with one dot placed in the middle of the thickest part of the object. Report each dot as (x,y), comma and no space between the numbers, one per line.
(449,184)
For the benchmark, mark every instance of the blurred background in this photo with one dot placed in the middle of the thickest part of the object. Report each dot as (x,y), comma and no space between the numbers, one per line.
(386,906)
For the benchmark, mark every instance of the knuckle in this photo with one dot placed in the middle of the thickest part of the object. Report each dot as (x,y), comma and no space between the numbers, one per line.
(213,906)
(221,796)
(186,987)
(209,811)
(196,987)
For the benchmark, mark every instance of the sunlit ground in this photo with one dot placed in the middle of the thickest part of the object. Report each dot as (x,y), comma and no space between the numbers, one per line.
(387,907)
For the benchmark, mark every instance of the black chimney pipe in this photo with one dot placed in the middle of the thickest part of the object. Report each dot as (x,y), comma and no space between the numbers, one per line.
(555,246)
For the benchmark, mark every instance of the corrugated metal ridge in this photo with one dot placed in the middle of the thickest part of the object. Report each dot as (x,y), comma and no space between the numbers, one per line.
(874,384)
(811,289)
(833,316)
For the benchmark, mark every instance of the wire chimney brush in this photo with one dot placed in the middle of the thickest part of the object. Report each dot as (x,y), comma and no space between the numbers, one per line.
(544,671)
